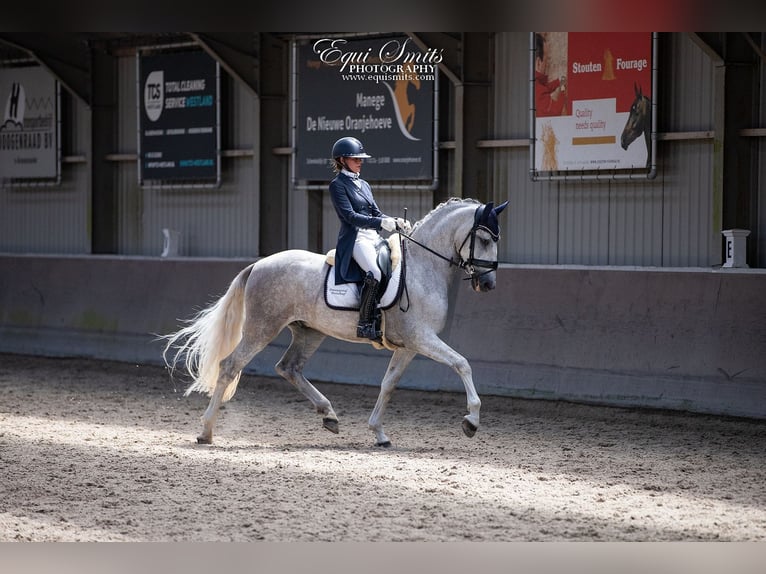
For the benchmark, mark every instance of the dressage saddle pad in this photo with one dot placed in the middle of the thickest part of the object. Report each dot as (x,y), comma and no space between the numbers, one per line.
(345,297)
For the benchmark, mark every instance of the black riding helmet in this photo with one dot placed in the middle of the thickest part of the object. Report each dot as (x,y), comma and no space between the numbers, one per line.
(348,147)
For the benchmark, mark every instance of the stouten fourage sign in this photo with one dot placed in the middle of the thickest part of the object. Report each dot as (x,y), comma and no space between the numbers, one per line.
(179,132)
(379,90)
(593,101)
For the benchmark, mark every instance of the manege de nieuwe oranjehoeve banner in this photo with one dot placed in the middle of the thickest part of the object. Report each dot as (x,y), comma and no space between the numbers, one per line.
(379,90)
(28,134)
(585,87)
(178,116)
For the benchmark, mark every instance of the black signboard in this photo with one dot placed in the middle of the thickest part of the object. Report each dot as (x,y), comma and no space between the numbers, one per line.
(379,90)
(178,117)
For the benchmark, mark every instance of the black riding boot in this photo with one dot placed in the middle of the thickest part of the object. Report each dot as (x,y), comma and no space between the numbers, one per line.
(369,313)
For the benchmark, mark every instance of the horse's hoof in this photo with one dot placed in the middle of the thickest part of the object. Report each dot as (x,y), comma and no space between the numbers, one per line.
(204,440)
(331,425)
(384,444)
(469,428)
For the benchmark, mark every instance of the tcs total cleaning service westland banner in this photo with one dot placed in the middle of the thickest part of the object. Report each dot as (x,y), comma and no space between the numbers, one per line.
(592,108)
(378,90)
(28,133)
(178,117)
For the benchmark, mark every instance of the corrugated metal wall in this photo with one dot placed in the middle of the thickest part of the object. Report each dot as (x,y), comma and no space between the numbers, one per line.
(53,219)
(661,222)
(221,222)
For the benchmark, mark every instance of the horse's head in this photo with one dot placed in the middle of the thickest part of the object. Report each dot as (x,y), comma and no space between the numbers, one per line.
(478,251)
(638,118)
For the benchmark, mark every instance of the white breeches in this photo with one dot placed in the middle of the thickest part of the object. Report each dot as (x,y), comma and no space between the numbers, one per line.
(364,251)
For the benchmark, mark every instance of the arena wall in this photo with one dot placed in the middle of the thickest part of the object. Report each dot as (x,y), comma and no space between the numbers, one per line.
(685,339)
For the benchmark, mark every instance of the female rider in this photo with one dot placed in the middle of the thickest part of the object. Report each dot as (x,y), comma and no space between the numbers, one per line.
(360,221)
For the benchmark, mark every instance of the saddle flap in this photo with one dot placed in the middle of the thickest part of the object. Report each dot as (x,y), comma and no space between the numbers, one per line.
(384,262)
(346,296)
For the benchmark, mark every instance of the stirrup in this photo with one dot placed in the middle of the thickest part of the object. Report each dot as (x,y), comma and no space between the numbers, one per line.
(369,331)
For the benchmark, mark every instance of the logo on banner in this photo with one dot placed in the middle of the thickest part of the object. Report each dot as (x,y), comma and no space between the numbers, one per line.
(405,109)
(15,107)
(394,64)
(154,94)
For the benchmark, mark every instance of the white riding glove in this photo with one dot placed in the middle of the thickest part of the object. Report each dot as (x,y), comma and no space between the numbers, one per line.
(403,224)
(388,223)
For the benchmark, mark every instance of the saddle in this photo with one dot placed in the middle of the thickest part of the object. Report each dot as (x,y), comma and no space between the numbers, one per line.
(346,297)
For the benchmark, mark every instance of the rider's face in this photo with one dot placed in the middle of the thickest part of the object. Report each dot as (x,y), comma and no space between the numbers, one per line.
(354,164)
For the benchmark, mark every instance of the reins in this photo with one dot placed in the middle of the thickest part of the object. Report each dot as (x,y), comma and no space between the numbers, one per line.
(439,255)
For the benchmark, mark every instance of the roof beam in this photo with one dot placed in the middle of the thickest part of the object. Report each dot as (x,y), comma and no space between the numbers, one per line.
(236,52)
(66,56)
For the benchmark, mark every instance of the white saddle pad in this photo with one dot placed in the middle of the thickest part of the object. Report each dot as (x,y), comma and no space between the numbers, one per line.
(347,295)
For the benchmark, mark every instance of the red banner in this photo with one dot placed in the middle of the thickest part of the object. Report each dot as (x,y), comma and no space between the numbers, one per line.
(592,103)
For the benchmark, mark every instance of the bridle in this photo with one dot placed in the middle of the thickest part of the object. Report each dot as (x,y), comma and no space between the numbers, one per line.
(471,266)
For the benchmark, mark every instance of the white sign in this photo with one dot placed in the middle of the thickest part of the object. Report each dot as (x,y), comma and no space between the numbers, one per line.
(28,133)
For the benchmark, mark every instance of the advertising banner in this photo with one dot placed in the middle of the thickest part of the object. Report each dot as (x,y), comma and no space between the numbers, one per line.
(29,131)
(380,91)
(178,117)
(592,101)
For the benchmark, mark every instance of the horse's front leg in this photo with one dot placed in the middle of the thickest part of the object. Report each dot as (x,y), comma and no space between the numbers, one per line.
(439,351)
(399,361)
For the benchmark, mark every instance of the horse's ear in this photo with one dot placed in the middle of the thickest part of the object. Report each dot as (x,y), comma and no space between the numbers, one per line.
(500,208)
(637,89)
(483,213)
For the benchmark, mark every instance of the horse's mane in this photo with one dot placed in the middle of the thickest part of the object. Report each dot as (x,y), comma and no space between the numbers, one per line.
(449,205)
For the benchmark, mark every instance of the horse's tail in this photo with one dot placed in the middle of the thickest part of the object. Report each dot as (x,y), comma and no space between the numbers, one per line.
(210,337)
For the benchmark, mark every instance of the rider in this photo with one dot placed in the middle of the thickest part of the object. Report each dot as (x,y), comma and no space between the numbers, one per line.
(360,221)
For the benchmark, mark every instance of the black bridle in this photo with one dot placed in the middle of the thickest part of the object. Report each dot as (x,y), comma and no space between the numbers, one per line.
(471,266)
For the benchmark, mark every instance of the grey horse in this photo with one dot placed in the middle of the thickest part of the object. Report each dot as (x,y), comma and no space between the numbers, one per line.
(286,290)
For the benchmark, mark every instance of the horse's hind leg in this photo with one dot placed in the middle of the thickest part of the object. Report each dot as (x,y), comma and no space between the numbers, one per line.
(304,344)
(230,370)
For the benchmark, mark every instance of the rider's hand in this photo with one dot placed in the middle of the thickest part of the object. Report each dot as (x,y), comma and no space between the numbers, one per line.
(388,223)
(403,224)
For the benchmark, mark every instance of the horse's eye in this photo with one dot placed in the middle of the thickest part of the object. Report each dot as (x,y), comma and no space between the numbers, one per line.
(484,242)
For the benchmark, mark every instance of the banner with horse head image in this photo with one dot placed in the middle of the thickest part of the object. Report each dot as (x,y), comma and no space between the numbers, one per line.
(592,103)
